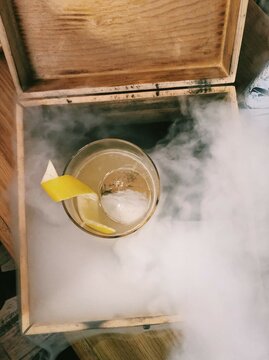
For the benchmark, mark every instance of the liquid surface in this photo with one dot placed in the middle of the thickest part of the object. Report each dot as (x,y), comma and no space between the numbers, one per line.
(123,185)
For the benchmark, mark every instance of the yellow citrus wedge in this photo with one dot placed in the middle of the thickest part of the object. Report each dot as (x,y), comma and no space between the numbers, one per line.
(66,187)
(89,212)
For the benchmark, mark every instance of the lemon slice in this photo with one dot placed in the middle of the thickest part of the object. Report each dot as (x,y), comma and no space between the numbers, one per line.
(64,187)
(89,212)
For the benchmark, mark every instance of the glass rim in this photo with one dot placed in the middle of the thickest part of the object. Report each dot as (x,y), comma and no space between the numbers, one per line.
(148,215)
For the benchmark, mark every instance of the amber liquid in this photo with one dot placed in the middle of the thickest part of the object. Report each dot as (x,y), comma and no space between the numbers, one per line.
(109,171)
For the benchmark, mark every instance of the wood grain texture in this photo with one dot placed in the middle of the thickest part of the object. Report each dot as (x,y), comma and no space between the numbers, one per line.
(7,119)
(223,91)
(19,63)
(255,46)
(231,27)
(95,44)
(96,37)
(23,249)
(43,328)
(150,345)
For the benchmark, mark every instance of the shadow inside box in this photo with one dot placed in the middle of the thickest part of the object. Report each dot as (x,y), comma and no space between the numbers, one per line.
(68,128)
(146,123)
(7,286)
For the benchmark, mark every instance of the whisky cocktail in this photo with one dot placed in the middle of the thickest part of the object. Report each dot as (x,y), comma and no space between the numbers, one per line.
(127,184)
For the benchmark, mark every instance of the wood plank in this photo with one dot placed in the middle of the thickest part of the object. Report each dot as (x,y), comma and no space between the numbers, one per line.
(235,21)
(23,253)
(255,46)
(12,44)
(142,36)
(7,120)
(111,83)
(150,345)
(72,87)
(175,43)
(39,328)
(130,96)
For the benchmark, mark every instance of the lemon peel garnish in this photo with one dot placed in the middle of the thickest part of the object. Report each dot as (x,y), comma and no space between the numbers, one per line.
(64,187)
(60,188)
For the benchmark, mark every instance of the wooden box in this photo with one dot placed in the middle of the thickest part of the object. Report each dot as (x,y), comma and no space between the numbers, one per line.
(125,60)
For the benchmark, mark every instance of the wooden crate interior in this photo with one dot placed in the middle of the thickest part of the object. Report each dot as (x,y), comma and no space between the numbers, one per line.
(93,44)
(56,132)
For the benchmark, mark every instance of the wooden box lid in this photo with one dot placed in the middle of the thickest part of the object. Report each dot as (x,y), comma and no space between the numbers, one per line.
(67,47)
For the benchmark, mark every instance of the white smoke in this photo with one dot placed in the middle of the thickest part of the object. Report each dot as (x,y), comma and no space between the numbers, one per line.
(204,254)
